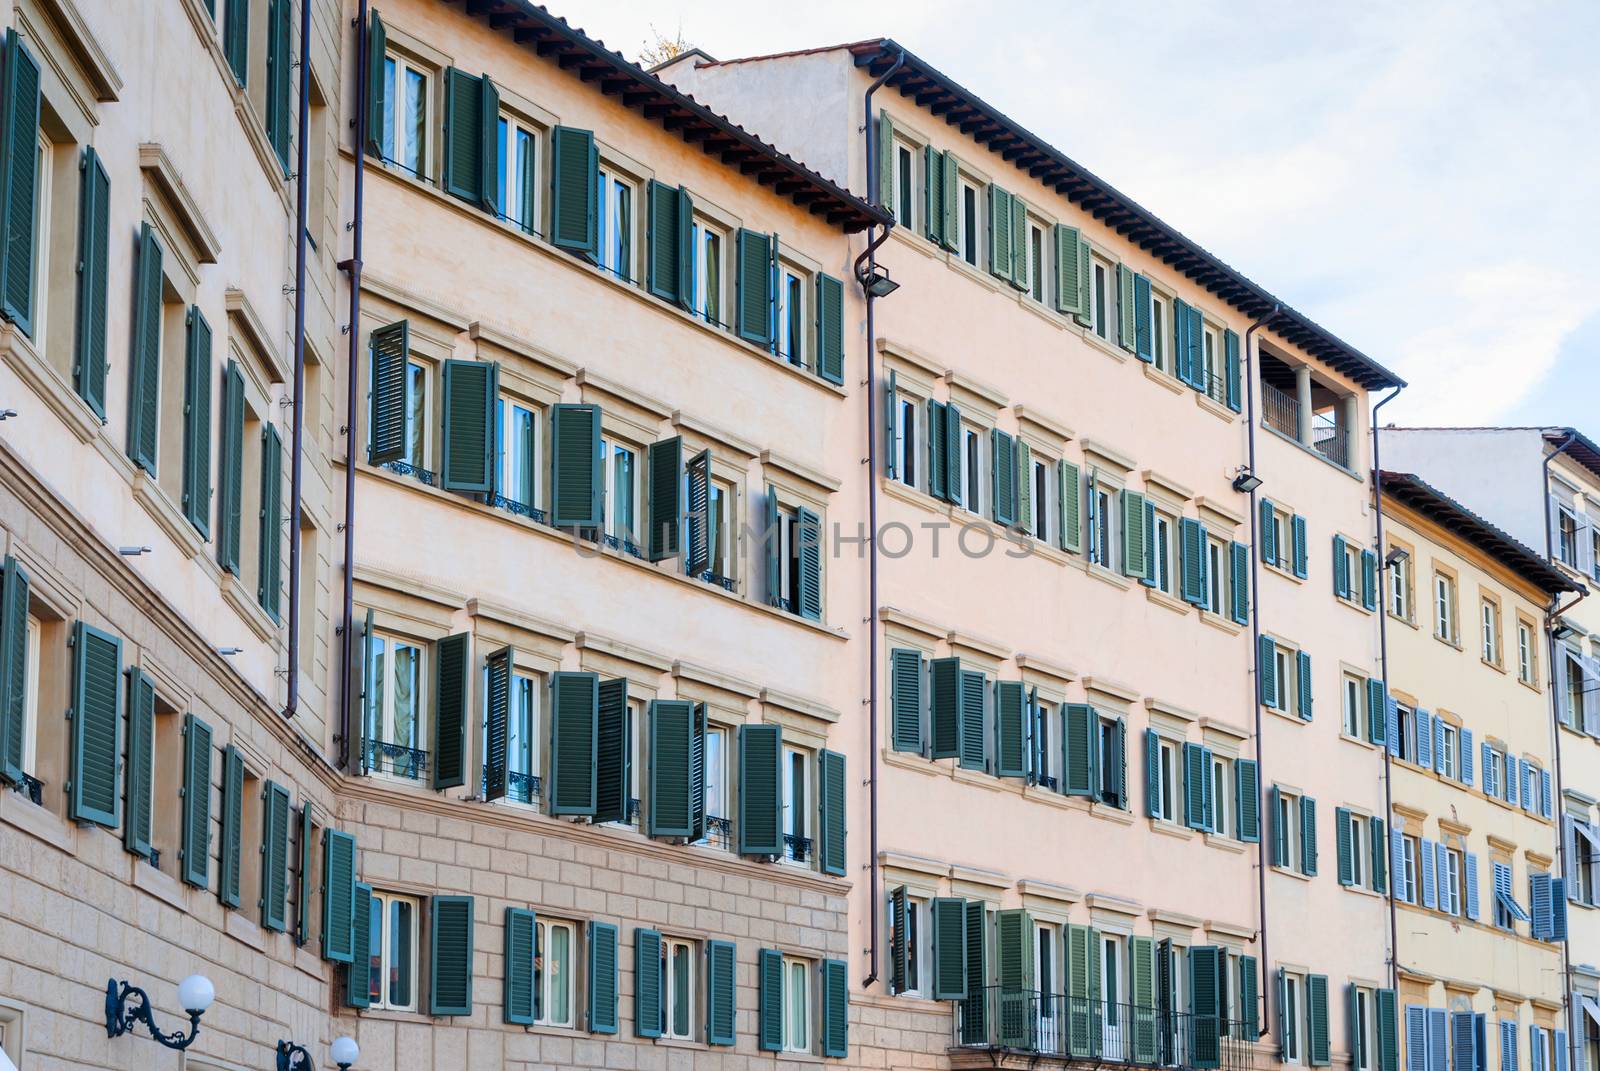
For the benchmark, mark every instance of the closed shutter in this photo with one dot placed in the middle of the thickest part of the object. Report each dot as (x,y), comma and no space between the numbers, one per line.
(938,450)
(1247,799)
(450,955)
(666,498)
(338,896)
(648,968)
(14,681)
(1000,260)
(1013,957)
(1069,286)
(358,976)
(389,350)
(900,939)
(1469,879)
(974,1016)
(231,833)
(1143,334)
(574,191)
(1341,568)
(933,195)
(269,570)
(830,329)
(574,731)
(94,793)
(1069,491)
(144,371)
(141,752)
(451,706)
(949,916)
(1541,899)
(236,39)
(1003,487)
(835,1009)
(376,87)
(1377,843)
(1249,999)
(1142,985)
(905,699)
(197,424)
(1011,752)
(279,63)
(576,492)
(1317,1046)
(952,452)
(1302,666)
(1180,341)
(602,977)
(94,251)
(1346,853)
(471,389)
(1082,1010)
(1308,835)
(1234,386)
(1423,720)
(1127,326)
(891,427)
(1024,479)
(1375,711)
(496,722)
(1134,548)
(1297,534)
(721,990)
(945,688)
(831,812)
(671,733)
(760,794)
(1280,832)
(697,774)
(1388,1030)
(194,854)
(1269,531)
(1464,770)
(230,477)
(19,179)
(1195,341)
(1191,554)
(1369,580)
(1416,1038)
(1019,243)
(769,1000)
(613,752)
(752,278)
(884,150)
(808,548)
(1239,582)
(974,750)
(1267,671)
(1205,1004)
(275,857)
(1081,745)
(1152,774)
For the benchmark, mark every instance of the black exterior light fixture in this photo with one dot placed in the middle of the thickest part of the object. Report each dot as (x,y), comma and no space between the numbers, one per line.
(291,1057)
(127,1006)
(1245,482)
(875,281)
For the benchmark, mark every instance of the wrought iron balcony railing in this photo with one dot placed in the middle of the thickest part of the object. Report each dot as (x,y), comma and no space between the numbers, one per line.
(396,760)
(29,786)
(1280,411)
(406,468)
(521,509)
(796,847)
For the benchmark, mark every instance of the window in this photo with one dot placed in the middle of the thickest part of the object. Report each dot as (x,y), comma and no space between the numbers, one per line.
(394,739)
(1288,820)
(1444,607)
(796,796)
(44,156)
(518,180)
(1209,358)
(1450,882)
(919,944)
(621,482)
(1046,750)
(904,188)
(519,453)
(1353,694)
(677,997)
(1446,758)
(1158,333)
(1489,614)
(1283,668)
(1406,721)
(1493,771)
(968,223)
(1292,1005)
(1585,856)
(1216,566)
(1525,654)
(1161,550)
(906,438)
(792,323)
(796,1005)
(1044,498)
(1361,1030)
(789,559)
(1410,849)
(1112,992)
(1103,527)
(1167,767)
(1101,301)
(976,473)
(1112,778)
(720,498)
(1567,535)
(717,803)
(1280,540)
(553,973)
(1400,588)
(1222,795)
(523,773)
(1035,261)
(615,232)
(406,107)
(393,952)
(1357,826)
(1044,966)
(709,242)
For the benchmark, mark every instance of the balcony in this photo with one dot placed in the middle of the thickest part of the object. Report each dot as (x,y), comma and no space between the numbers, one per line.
(1303,409)
(1029,1023)
(1280,411)
(395,760)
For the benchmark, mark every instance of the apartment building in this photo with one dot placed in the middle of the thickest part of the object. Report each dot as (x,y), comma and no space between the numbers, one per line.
(1069,395)
(1542,485)
(1480,915)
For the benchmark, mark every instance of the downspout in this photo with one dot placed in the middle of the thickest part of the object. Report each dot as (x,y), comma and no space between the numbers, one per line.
(1250,365)
(353,267)
(864,275)
(1383,660)
(292,700)
(1552,615)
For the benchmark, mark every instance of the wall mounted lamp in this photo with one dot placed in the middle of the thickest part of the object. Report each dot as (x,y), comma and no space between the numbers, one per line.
(127,1006)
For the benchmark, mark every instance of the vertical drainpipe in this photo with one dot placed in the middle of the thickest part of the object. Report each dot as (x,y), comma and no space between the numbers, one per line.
(1250,375)
(1383,660)
(353,267)
(292,701)
(870,256)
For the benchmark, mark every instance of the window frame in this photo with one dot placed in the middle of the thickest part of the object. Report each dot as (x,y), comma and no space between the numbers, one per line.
(544,985)
(430,71)
(798,969)
(703,228)
(1446,598)
(383,900)
(1102,311)
(669,969)
(1162,548)
(1353,705)
(799,803)
(383,717)
(518,119)
(507,404)
(1489,628)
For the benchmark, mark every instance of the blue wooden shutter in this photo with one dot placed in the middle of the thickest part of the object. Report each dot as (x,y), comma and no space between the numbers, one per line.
(141,751)
(905,699)
(1345,851)
(769,1000)
(760,790)
(1308,836)
(1297,535)
(1247,799)
(1143,340)
(1195,773)
(1239,582)
(1341,568)
(1152,773)
(1302,666)
(338,896)
(613,752)
(721,989)
(602,978)
(830,329)
(1369,580)
(831,812)
(648,983)
(1378,845)
(94,793)
(835,1009)
(1191,553)
(269,570)
(1280,834)
(574,740)
(575,191)
(236,39)
(450,955)
(1317,1045)
(1003,486)
(1233,390)
(1376,707)
(1269,532)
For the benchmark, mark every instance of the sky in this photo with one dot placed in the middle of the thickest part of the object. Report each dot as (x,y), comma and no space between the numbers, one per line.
(1419,177)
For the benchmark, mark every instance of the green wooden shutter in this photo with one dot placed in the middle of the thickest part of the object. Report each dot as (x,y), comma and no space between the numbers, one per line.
(666,497)
(19,182)
(1341,836)
(1249,998)
(831,812)
(194,854)
(1127,309)
(938,456)
(973,753)
(905,699)
(613,752)
(269,570)
(236,39)
(1341,569)
(1195,773)
(389,350)
(369,692)
(949,919)
(647,983)
(835,1009)
(144,370)
(1302,665)
(1269,531)
(1280,834)
(1388,1030)
(952,451)
(575,191)
(1013,954)
(1267,670)
(576,491)
(230,476)
(14,682)
(1378,845)
(752,278)
(950,183)
(1369,580)
(1143,332)
(377,46)
(1084,267)
(760,791)
(884,148)
(1134,548)
(721,991)
(1317,1047)
(1239,582)
(975,1009)
(1191,560)
(94,793)
(769,1000)
(1377,707)
(1010,729)
(197,423)
(1195,339)
(1080,743)
(830,329)
(1308,836)
(1142,988)
(94,250)
(1069,500)
(471,391)
(1152,773)
(302,874)
(450,710)
(1024,477)
(900,939)
(1000,264)
(1233,384)
(1114,783)
(1297,534)
(1019,243)
(471,154)
(945,707)
(1068,285)
(933,194)
(574,730)
(1247,799)
(665,249)
(275,857)
(231,834)
(808,548)
(697,774)
(358,975)
(1082,1040)
(338,896)
(141,752)
(1003,472)
(671,739)
(1205,1004)
(279,115)
(602,978)
(496,722)
(450,955)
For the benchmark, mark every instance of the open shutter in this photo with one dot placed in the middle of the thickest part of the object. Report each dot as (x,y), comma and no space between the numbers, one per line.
(496,722)
(1069,285)
(648,968)
(358,976)
(194,854)
(232,831)
(1302,665)
(1541,899)
(769,1000)
(521,935)
(1469,879)
(1143,335)
(671,739)
(1345,851)
(575,481)
(1195,340)
(144,370)
(949,916)
(471,389)
(269,570)
(899,939)
(951,441)
(721,990)
(808,548)
(1127,318)
(94,793)
(574,732)
(94,250)
(831,812)
(19,178)
(1000,265)
(450,955)
(697,774)
(1341,568)
(932,194)
(14,683)
(1249,998)
(377,85)
(467,173)
(905,699)
(945,677)
(236,39)
(1142,988)
(141,752)
(1388,1030)
(1425,861)
(1369,580)
(450,710)
(602,978)
(666,497)
(884,151)
(1019,243)
(752,278)
(1267,671)
(975,1008)
(1247,799)
(1297,535)
(1377,844)
(1195,773)
(275,857)
(1011,753)
(1134,548)
(1233,385)
(830,329)
(665,248)
(1317,1045)
(197,423)
(1080,743)
(1152,773)
(1069,491)
(338,896)
(389,350)
(1308,835)
(1239,582)
(1191,553)
(1425,737)
(1205,1003)
(760,791)
(698,514)
(836,1009)
(575,191)
(1375,711)
(279,116)
(1081,1040)
(974,750)
(613,752)
(1280,834)
(1023,475)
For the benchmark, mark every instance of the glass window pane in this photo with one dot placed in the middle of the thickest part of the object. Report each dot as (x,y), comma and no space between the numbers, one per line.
(680,990)
(386,137)
(402,922)
(375,951)
(416,130)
